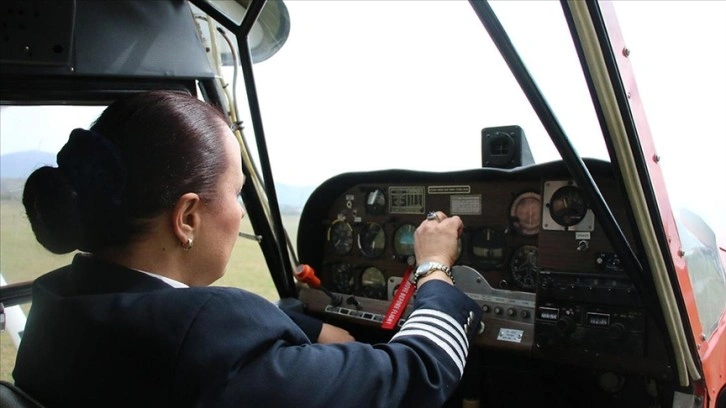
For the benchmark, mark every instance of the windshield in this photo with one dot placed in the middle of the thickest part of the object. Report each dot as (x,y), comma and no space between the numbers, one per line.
(377,96)
(679,59)
(412,84)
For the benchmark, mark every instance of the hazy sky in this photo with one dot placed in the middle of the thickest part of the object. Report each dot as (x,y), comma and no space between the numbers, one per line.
(679,58)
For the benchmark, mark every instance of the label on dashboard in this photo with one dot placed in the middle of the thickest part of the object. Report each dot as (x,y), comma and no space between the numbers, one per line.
(407,199)
(511,335)
(449,189)
(466,205)
(582,235)
(481,297)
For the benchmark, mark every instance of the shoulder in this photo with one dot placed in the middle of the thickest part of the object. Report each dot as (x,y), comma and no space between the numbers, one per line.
(219,301)
(54,275)
(225,297)
(226,306)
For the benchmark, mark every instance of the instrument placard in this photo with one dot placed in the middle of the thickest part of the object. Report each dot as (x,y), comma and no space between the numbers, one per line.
(407,199)
(449,189)
(466,204)
(512,335)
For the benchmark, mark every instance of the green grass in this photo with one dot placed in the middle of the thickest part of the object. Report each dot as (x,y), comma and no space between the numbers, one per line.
(22,258)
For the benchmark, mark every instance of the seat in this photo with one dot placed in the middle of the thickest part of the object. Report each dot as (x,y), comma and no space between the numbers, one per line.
(13,397)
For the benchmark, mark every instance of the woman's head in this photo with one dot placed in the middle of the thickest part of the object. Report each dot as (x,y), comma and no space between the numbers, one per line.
(143,153)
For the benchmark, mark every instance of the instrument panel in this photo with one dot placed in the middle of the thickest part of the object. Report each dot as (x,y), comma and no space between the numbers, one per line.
(531,254)
(499,240)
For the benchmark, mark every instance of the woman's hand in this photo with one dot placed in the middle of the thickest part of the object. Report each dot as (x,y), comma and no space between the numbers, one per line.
(436,239)
(333,334)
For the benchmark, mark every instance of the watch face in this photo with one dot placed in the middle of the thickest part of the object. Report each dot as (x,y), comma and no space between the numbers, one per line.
(424,267)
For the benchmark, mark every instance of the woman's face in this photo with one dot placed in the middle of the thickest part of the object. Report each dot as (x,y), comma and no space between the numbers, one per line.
(221,215)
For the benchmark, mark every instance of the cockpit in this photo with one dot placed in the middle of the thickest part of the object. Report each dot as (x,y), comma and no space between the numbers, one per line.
(521,118)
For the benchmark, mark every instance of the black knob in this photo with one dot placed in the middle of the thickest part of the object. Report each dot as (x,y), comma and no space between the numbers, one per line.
(617,331)
(565,324)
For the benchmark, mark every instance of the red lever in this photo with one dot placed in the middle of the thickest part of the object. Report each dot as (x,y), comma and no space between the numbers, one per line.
(306,274)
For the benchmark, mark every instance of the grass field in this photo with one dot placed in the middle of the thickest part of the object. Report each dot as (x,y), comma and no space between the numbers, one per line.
(23,259)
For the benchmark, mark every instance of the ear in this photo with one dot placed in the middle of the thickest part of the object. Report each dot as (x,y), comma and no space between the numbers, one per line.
(186,217)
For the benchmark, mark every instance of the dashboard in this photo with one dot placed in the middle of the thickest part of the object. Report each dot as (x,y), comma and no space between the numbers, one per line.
(532,255)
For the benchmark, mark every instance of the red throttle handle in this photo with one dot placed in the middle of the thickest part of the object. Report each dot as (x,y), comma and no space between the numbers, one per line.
(306,274)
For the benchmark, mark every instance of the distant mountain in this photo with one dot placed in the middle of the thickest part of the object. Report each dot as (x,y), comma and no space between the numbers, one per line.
(21,164)
(16,167)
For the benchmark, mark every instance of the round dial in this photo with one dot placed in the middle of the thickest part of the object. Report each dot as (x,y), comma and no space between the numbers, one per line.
(375,202)
(343,278)
(372,240)
(340,236)
(523,267)
(403,240)
(525,214)
(567,206)
(488,248)
(373,283)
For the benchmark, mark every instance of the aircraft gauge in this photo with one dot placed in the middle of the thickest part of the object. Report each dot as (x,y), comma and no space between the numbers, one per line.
(525,214)
(567,206)
(488,248)
(373,283)
(340,236)
(523,267)
(343,278)
(372,240)
(375,202)
(403,240)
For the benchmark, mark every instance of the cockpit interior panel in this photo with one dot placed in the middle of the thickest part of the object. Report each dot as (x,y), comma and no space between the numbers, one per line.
(531,254)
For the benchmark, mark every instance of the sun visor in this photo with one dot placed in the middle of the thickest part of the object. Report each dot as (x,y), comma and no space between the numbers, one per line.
(151,39)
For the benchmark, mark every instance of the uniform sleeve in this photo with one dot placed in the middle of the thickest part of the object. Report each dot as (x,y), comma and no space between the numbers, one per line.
(309,325)
(265,360)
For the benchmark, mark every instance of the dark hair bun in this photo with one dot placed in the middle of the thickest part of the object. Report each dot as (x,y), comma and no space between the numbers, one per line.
(51,205)
(144,152)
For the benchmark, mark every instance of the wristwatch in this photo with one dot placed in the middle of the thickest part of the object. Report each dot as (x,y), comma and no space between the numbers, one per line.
(426,268)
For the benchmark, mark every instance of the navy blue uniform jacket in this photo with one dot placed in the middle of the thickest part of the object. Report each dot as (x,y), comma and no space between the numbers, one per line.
(102,335)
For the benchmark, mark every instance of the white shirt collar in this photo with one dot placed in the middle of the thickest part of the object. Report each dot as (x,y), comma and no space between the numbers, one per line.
(171,282)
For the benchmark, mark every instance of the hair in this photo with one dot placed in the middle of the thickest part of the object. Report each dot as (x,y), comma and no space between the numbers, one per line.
(143,152)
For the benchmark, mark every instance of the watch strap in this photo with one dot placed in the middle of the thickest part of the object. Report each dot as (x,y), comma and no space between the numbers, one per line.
(433,266)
